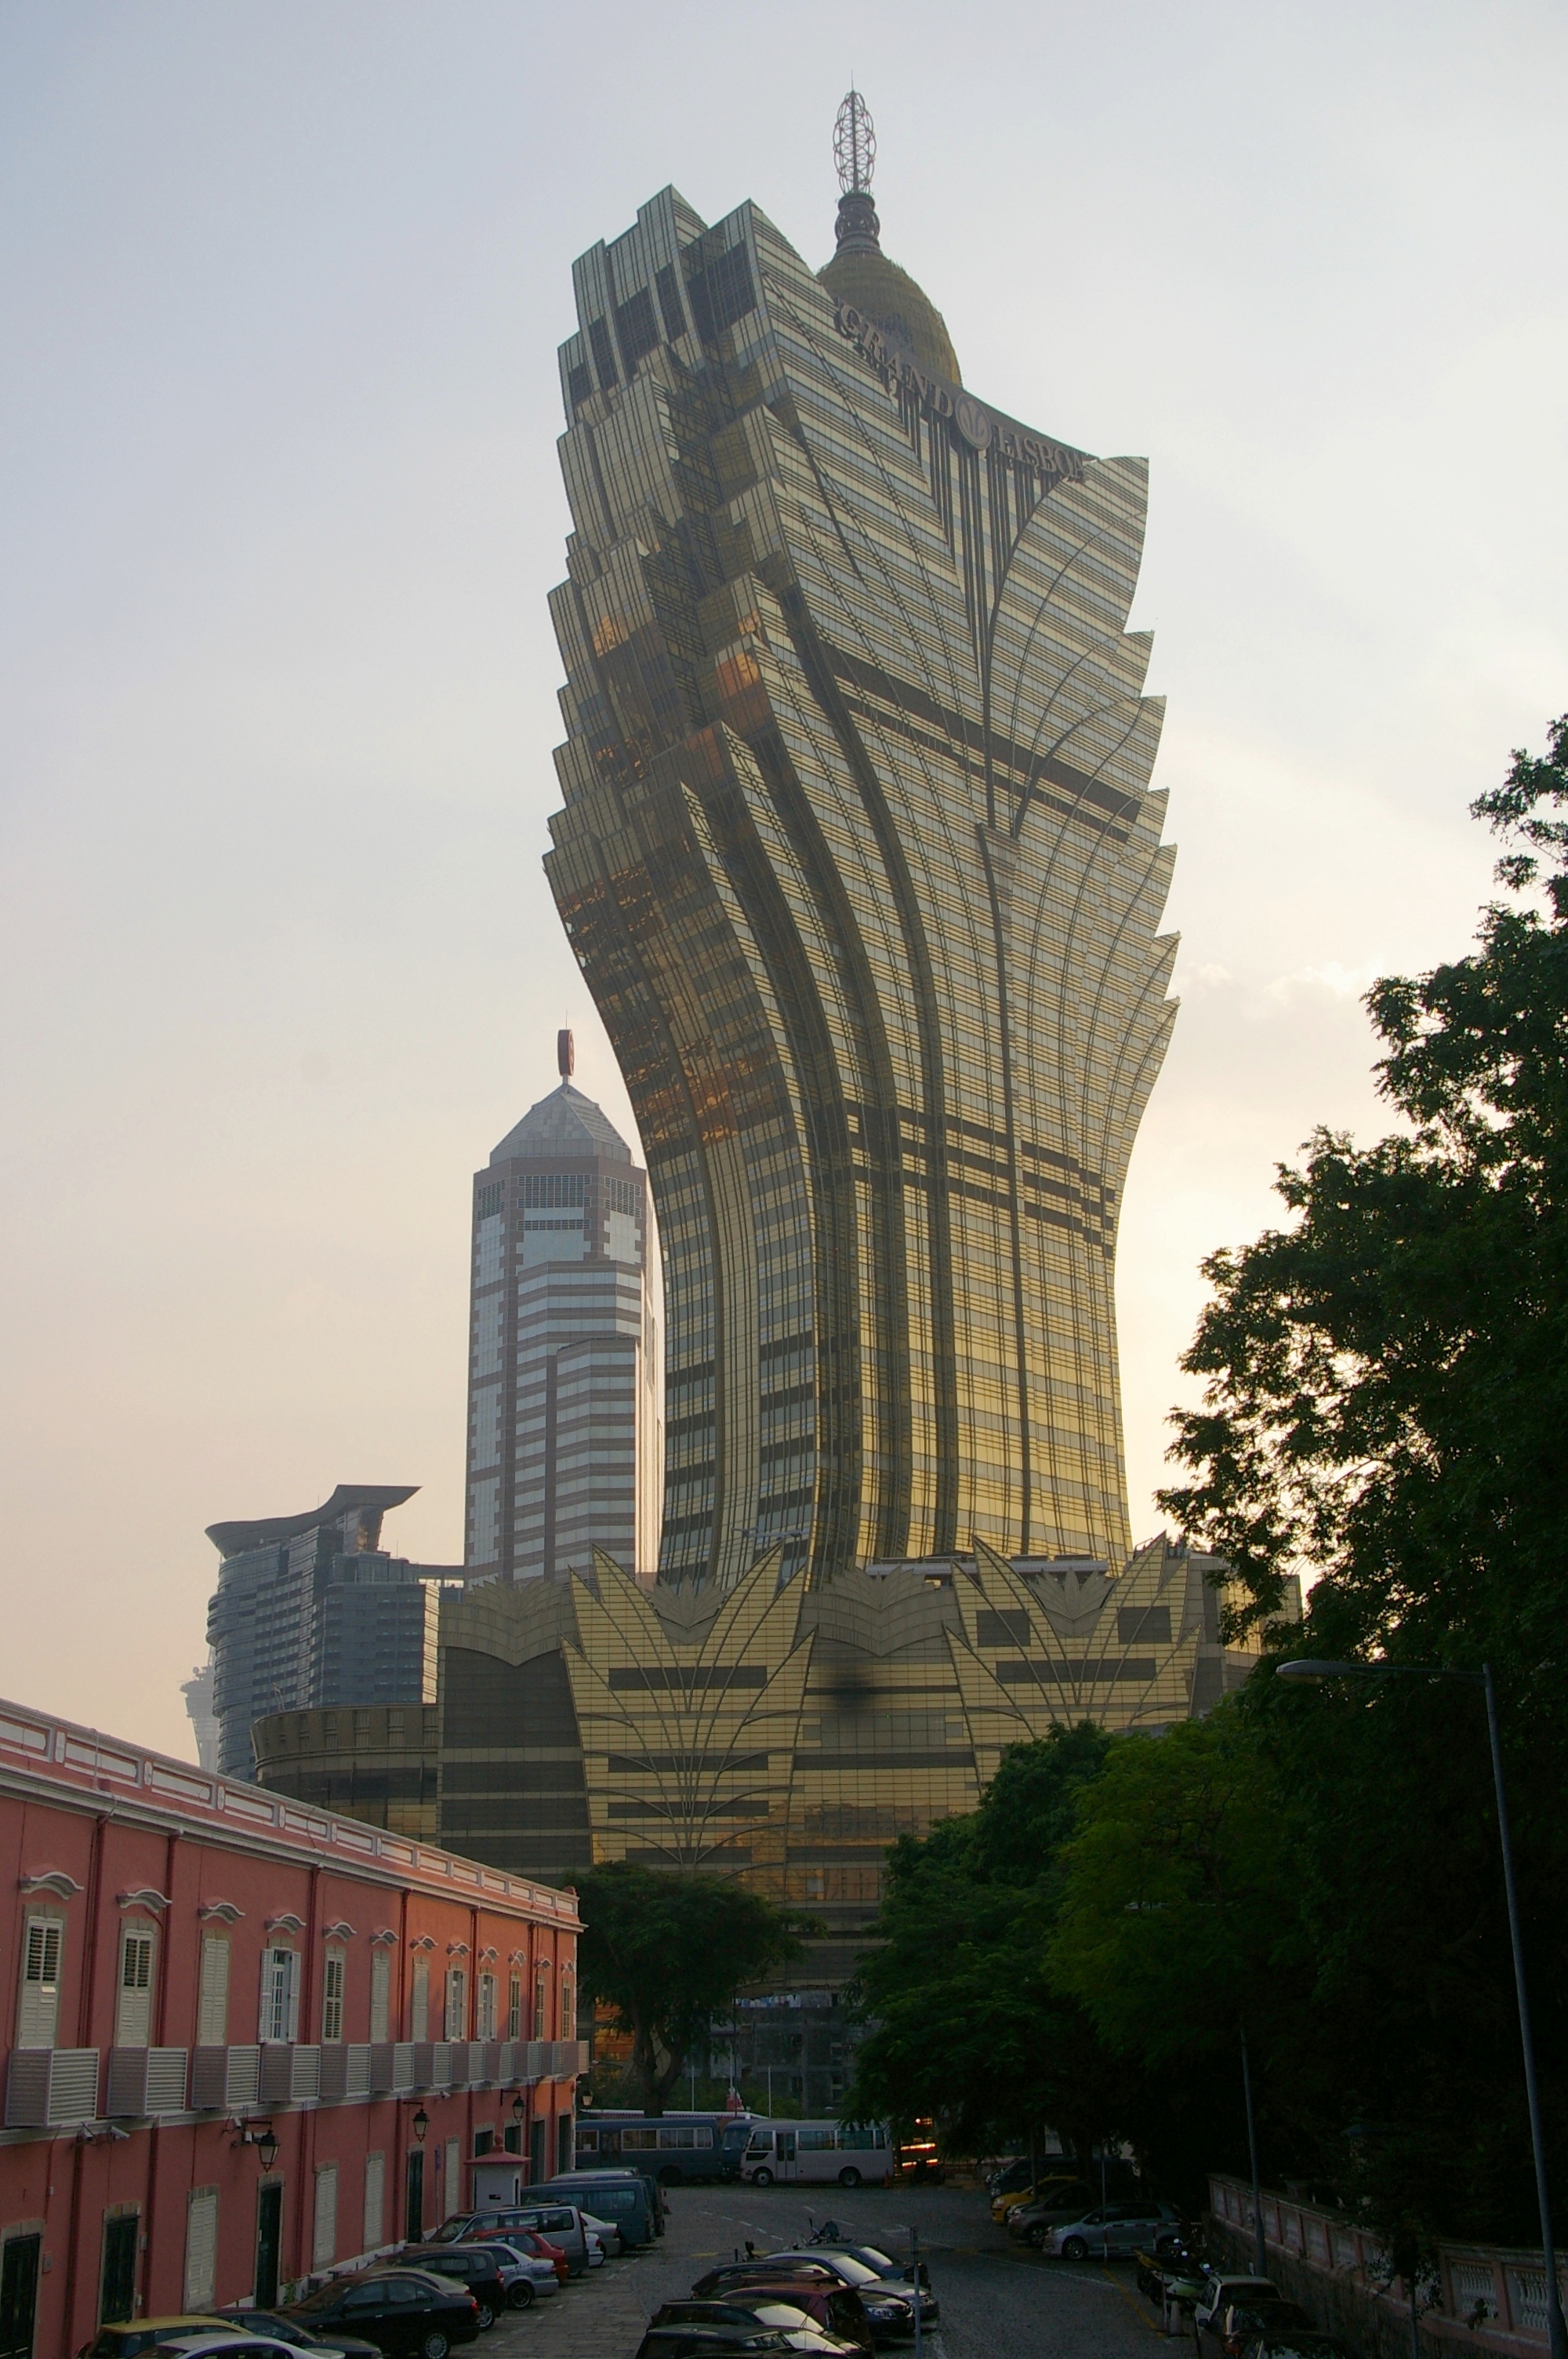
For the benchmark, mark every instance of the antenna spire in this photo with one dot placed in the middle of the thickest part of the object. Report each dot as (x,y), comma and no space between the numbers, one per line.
(855,145)
(566,1055)
(855,155)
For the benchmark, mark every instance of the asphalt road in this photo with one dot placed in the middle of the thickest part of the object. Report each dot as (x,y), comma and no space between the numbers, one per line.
(998,2300)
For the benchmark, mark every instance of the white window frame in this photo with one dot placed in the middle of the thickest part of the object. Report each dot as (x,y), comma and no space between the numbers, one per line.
(420,1998)
(457,2002)
(541,2001)
(279,1991)
(568,2004)
(485,1990)
(38,1998)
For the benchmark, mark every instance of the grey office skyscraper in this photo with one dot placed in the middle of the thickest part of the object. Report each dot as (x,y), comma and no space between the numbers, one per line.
(310,1611)
(563,1447)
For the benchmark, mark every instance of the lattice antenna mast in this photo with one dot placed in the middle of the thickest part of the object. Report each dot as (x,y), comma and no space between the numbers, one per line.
(855,146)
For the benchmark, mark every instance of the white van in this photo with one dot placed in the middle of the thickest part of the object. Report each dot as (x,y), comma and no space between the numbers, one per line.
(810,2154)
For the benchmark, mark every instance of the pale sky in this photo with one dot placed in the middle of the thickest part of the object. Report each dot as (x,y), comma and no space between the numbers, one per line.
(281,287)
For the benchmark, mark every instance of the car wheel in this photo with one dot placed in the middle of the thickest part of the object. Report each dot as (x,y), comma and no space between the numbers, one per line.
(434,2344)
(1037,2235)
(522,2295)
(1075,2249)
(762,2179)
(849,2176)
(486,2315)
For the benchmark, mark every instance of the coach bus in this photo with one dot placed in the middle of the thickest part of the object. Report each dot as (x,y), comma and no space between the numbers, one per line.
(675,2147)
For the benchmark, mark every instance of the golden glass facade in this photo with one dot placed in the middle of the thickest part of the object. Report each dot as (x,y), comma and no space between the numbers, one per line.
(860,860)
(789,1734)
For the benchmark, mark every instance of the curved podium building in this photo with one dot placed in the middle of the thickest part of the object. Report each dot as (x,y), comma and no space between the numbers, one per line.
(860,860)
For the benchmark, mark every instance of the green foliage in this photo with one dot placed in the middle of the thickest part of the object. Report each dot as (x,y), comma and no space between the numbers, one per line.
(667,1951)
(1386,1396)
(967,2030)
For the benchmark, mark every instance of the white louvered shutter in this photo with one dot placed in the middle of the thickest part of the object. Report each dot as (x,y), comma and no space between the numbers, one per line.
(134,2013)
(201,2248)
(380,1994)
(212,2007)
(325,2239)
(376,2185)
(38,2010)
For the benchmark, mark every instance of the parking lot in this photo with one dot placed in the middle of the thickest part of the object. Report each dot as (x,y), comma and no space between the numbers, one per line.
(998,2300)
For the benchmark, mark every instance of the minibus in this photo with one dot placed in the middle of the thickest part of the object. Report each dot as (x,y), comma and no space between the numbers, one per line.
(810,2154)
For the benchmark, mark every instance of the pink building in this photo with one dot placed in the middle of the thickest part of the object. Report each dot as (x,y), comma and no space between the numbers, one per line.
(244,2041)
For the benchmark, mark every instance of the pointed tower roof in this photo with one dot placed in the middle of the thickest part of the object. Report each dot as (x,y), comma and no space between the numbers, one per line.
(860,272)
(565,1123)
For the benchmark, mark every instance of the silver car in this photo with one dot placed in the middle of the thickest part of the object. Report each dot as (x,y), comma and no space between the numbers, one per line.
(1110,2228)
(524,2275)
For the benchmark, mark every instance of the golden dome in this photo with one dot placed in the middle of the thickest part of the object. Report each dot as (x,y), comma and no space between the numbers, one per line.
(890,296)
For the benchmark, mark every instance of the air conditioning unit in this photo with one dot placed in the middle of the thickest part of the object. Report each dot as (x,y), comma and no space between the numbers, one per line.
(222,2078)
(144,2081)
(46,2085)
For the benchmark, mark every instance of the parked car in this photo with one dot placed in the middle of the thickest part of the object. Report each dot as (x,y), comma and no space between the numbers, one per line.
(1110,2228)
(406,2313)
(1030,2223)
(891,2271)
(477,2267)
(534,2239)
(890,2315)
(698,2341)
(1242,2322)
(288,2330)
(562,2223)
(1057,2187)
(632,2199)
(226,2343)
(524,2275)
(1285,2344)
(129,2336)
(781,2314)
(608,2233)
(883,2280)
(1009,2177)
(1220,2292)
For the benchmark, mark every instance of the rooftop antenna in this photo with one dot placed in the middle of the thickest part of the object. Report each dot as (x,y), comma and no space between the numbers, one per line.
(565,1054)
(855,145)
(857,229)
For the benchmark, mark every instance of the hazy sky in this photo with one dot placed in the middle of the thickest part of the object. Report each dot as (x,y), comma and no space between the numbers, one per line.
(280,289)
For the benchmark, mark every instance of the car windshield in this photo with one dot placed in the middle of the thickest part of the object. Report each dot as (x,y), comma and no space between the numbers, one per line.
(326,2297)
(881,2262)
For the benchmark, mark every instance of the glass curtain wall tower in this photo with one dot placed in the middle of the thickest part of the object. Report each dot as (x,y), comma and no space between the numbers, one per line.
(860,860)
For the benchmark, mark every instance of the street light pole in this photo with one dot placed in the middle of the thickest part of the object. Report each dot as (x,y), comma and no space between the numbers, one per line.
(1258,2254)
(1308,1668)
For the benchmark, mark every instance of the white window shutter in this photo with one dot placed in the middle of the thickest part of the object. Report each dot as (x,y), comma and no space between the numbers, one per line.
(133,2011)
(454,2188)
(380,1994)
(201,2248)
(325,2249)
(39,2009)
(376,2185)
(212,2010)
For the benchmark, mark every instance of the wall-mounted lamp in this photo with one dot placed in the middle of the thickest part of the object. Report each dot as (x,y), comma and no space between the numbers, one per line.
(519,2110)
(421,2124)
(262,2136)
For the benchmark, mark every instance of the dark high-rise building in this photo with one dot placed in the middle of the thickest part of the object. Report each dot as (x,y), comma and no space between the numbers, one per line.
(563,1437)
(310,1611)
(859,859)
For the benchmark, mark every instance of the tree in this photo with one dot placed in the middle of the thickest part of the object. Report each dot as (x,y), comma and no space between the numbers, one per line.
(1386,1397)
(966,2029)
(666,1951)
